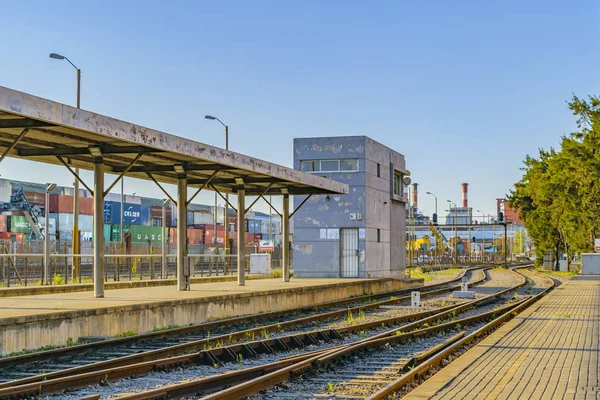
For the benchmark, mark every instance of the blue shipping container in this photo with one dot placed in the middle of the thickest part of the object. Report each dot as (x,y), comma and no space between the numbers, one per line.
(107,212)
(133,214)
(190,218)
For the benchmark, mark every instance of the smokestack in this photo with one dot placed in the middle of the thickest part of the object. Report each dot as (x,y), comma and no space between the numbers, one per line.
(415,195)
(465,195)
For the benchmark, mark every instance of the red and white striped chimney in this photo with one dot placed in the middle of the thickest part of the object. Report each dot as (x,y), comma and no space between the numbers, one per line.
(465,194)
(415,195)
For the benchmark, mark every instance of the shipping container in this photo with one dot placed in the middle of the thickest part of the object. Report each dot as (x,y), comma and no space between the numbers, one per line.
(203,217)
(35,198)
(115,232)
(143,234)
(65,205)
(3,225)
(7,236)
(133,214)
(19,224)
(107,233)
(190,218)
(65,222)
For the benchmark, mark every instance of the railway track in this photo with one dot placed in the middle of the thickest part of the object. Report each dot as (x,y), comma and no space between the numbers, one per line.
(300,366)
(232,354)
(373,368)
(156,345)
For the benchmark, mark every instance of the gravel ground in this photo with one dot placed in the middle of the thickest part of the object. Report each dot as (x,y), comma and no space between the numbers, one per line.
(443,275)
(498,279)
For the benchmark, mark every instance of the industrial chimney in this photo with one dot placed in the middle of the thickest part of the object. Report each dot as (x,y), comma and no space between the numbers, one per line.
(465,194)
(415,195)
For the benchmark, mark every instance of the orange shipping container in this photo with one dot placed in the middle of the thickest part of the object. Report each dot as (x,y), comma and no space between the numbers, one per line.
(3,223)
(194,236)
(65,205)
(35,198)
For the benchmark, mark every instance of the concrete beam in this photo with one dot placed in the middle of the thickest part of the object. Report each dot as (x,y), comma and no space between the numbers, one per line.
(98,228)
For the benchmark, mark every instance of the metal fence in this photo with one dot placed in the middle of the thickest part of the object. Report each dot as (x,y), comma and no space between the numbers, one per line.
(21,263)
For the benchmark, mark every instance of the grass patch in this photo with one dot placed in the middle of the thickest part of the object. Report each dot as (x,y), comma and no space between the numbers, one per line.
(565,274)
(126,334)
(418,273)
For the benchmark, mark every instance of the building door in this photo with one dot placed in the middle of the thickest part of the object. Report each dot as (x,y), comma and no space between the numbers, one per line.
(349,253)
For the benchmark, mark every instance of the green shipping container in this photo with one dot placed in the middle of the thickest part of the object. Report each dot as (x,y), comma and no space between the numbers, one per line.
(19,224)
(106,232)
(145,233)
(115,232)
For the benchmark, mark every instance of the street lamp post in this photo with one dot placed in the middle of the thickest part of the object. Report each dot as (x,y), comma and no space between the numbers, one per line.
(75,238)
(226,221)
(49,187)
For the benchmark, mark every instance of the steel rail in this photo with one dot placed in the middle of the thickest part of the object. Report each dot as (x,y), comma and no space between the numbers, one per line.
(79,377)
(88,347)
(321,361)
(434,359)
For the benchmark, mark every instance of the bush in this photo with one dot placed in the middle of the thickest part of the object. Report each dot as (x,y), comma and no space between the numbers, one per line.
(277,273)
(58,280)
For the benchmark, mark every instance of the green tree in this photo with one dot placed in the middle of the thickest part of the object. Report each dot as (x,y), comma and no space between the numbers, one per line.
(558,196)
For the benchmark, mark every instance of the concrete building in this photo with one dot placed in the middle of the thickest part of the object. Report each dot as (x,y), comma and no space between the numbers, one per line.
(361,234)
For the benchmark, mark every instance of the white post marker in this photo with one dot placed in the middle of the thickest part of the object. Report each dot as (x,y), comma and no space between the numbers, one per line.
(464,286)
(415,299)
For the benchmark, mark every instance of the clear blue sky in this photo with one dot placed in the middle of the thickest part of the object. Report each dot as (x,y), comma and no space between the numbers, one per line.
(463,89)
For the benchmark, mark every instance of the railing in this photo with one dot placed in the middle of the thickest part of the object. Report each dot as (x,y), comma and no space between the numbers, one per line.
(27,269)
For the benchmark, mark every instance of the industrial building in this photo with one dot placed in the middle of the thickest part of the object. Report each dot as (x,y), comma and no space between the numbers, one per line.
(360,234)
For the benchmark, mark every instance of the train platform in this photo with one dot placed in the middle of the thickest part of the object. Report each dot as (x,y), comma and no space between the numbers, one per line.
(33,321)
(550,351)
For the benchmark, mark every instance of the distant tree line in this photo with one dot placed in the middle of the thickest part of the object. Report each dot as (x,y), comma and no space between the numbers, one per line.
(558,197)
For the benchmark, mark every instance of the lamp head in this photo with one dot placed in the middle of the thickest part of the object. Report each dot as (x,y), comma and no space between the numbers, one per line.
(56,56)
(50,187)
(210,117)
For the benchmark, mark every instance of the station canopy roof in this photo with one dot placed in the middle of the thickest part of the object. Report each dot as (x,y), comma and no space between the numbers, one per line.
(56,133)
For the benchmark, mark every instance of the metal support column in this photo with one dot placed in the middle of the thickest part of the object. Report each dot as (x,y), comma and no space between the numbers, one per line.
(98,227)
(505,245)
(46,280)
(285,238)
(75,237)
(183,275)
(163,240)
(241,236)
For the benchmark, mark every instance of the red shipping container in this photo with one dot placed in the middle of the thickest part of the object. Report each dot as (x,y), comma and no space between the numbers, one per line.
(7,235)
(3,223)
(54,203)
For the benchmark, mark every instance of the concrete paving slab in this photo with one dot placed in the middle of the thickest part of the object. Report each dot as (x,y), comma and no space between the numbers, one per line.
(550,351)
(52,303)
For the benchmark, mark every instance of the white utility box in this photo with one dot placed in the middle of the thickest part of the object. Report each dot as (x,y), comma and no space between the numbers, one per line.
(415,299)
(260,263)
(590,264)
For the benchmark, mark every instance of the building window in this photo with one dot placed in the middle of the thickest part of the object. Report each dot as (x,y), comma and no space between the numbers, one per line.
(378,170)
(348,165)
(345,165)
(378,235)
(310,166)
(330,165)
(397,183)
